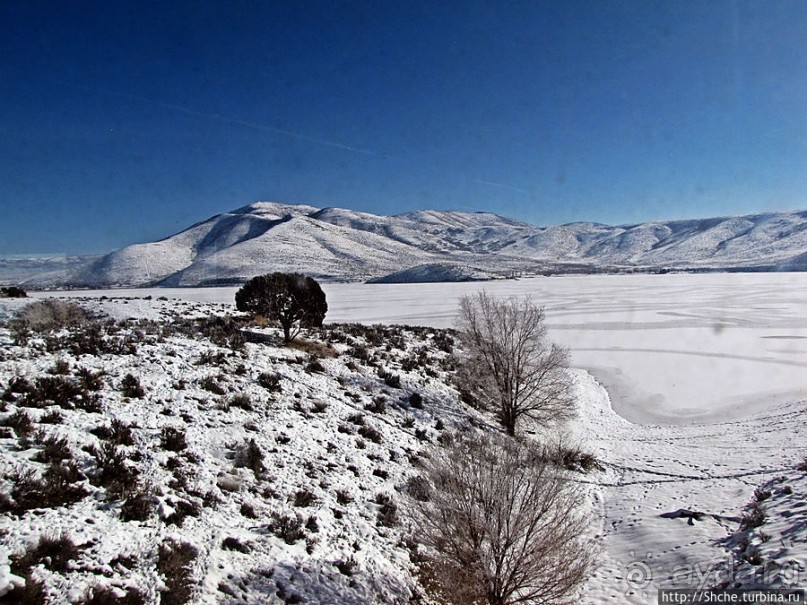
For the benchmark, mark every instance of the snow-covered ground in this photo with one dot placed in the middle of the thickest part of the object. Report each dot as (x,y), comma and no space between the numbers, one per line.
(278,467)
(657,472)
(707,385)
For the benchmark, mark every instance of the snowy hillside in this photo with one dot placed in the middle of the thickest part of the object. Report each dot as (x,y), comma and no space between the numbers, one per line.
(345,245)
(168,457)
(434,272)
(42,271)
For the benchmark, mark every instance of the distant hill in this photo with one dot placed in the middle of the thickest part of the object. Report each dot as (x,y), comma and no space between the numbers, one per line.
(42,271)
(340,244)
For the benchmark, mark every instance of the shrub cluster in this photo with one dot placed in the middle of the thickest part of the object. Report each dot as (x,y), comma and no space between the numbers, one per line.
(66,326)
(139,505)
(304,498)
(390,379)
(755,515)
(270,381)
(222,331)
(50,315)
(314,365)
(387,515)
(249,455)
(173,439)
(118,432)
(95,339)
(377,406)
(59,485)
(211,384)
(572,458)
(346,566)
(63,391)
(21,423)
(130,387)
(114,472)
(288,528)
(53,553)
(370,433)
(174,560)
(240,400)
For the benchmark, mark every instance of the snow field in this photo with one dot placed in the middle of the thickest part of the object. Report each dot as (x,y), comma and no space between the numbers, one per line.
(653,472)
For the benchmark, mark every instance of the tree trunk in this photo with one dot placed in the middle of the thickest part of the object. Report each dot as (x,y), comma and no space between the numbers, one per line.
(508,419)
(509,426)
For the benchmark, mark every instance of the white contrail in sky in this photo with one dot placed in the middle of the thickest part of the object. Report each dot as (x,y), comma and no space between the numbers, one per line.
(236,121)
(226,120)
(499,185)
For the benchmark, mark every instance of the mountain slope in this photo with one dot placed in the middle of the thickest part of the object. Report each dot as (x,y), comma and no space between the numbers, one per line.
(341,244)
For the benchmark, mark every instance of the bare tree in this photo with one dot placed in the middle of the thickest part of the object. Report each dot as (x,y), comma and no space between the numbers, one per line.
(501,525)
(508,363)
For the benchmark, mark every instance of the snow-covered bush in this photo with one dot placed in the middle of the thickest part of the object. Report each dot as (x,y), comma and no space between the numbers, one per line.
(118,432)
(249,455)
(390,379)
(61,484)
(754,516)
(130,387)
(173,439)
(174,564)
(387,515)
(287,527)
(113,470)
(270,381)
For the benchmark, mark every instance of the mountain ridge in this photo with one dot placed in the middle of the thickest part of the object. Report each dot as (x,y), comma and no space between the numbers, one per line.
(339,244)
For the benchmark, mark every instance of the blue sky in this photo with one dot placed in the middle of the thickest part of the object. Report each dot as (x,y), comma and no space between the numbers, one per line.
(128,121)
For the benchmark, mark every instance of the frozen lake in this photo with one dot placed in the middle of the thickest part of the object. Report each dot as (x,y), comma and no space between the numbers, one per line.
(670,349)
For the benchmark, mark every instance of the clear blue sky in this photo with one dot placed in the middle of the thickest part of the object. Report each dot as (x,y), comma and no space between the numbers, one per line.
(128,121)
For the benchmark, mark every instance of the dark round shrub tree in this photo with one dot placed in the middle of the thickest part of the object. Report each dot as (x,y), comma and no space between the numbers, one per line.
(293,300)
(13,292)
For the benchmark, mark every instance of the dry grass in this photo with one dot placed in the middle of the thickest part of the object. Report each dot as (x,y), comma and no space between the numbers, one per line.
(313,347)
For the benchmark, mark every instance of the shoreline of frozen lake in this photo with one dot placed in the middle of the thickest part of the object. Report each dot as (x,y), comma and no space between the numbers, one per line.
(670,349)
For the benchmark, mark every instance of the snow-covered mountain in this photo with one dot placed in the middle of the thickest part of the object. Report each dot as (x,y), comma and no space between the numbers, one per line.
(340,244)
(41,271)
